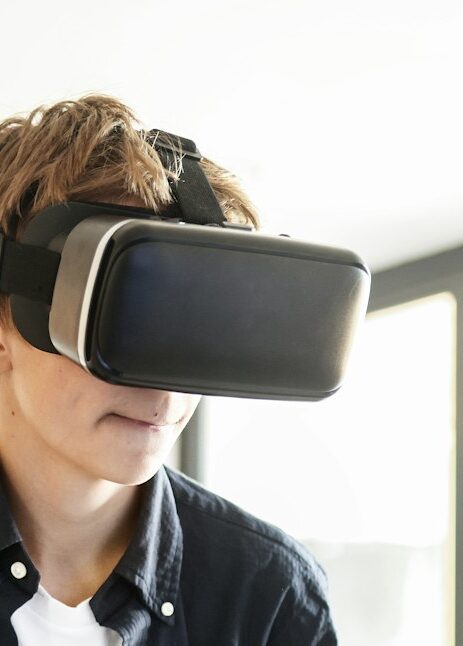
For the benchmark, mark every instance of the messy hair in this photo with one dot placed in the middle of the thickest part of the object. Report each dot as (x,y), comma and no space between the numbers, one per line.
(92,149)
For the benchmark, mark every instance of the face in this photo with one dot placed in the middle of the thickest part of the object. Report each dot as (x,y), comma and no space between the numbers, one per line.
(64,416)
(53,411)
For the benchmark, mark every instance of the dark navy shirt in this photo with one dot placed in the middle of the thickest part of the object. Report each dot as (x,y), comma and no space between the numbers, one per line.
(199,571)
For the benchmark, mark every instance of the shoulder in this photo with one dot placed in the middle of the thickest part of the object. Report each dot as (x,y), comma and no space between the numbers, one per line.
(211,519)
(253,569)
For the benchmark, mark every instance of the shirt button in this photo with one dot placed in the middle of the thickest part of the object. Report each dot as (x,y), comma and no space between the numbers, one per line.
(18,570)
(167,609)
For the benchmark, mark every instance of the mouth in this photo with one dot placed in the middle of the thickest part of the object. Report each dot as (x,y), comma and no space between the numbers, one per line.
(146,423)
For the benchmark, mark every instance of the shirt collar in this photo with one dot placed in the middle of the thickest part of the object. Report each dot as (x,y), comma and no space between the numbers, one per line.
(9,532)
(153,559)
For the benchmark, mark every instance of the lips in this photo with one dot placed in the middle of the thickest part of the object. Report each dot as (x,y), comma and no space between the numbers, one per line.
(145,421)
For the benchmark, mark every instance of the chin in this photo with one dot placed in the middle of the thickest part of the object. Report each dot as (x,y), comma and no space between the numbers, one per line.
(134,474)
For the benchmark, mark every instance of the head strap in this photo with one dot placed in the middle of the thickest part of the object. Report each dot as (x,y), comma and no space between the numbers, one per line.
(192,191)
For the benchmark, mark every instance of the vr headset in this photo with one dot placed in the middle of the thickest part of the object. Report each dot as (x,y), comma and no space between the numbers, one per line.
(183,300)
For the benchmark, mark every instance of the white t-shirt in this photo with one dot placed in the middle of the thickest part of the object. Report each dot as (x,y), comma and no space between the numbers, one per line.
(45,621)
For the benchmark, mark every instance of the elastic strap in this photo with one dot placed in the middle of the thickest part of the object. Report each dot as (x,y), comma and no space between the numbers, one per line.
(194,194)
(27,270)
(30,271)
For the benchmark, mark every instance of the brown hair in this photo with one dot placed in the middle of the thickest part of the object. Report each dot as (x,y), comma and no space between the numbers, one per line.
(91,149)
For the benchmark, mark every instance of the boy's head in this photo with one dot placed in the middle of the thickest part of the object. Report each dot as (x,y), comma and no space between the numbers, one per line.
(91,149)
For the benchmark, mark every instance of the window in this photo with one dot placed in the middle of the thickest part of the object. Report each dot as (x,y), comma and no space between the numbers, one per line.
(366,478)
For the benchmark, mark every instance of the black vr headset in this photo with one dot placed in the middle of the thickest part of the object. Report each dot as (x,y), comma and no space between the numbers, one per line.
(183,300)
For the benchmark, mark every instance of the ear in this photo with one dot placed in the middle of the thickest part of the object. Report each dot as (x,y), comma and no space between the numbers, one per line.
(6,339)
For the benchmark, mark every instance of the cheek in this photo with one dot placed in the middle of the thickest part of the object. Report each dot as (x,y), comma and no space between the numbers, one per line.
(190,407)
(53,390)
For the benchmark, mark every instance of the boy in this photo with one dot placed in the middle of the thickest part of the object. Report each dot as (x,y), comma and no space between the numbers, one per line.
(99,542)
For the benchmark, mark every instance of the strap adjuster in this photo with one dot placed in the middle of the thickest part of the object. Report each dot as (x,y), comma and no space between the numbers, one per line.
(187,147)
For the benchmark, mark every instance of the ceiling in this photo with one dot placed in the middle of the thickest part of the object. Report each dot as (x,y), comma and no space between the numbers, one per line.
(342,118)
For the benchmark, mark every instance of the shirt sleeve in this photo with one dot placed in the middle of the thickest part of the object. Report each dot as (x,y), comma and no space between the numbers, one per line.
(326,632)
(303,619)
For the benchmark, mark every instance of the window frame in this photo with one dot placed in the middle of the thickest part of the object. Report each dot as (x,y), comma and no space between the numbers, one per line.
(409,281)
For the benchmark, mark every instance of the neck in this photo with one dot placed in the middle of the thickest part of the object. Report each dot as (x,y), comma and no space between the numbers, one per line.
(73,528)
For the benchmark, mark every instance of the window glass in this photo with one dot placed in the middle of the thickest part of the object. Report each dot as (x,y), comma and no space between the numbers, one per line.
(364,478)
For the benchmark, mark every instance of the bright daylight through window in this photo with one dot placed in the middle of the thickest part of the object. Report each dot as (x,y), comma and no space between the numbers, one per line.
(365,479)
